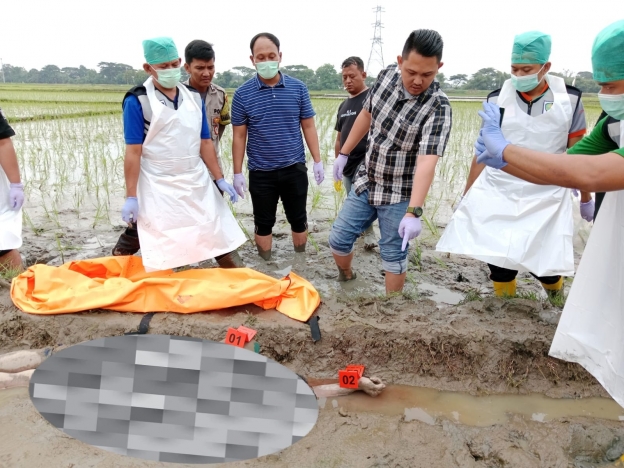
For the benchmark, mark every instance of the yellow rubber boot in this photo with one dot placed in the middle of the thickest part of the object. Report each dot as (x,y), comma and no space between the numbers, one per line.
(505,289)
(554,289)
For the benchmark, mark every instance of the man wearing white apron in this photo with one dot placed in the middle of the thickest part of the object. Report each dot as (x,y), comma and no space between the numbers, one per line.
(180,216)
(11,200)
(511,224)
(591,327)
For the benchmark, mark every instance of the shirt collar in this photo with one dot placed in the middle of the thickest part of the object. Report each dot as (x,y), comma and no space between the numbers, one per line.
(211,89)
(422,97)
(529,99)
(280,84)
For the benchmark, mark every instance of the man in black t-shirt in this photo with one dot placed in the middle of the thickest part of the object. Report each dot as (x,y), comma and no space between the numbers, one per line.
(353,78)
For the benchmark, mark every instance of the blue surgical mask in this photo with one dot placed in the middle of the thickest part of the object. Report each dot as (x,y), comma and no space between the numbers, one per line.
(612,104)
(267,70)
(526,83)
(169,77)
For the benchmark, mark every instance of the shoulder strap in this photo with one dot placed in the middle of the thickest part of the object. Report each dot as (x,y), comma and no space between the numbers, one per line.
(141,94)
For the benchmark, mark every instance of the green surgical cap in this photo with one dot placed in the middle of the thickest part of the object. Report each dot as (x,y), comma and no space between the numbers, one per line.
(608,53)
(159,50)
(531,47)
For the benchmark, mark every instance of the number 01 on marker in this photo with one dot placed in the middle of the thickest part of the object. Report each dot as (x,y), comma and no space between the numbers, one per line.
(235,338)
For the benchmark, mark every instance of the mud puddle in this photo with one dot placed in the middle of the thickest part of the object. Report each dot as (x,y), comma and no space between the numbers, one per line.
(440,294)
(432,406)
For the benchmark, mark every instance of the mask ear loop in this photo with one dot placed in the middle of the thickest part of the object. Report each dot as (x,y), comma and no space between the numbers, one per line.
(539,81)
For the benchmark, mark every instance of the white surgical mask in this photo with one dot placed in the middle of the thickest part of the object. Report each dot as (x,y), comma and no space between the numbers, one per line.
(612,104)
(169,77)
(527,83)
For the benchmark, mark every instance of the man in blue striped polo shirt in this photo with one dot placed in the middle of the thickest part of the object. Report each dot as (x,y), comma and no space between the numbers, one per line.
(269,112)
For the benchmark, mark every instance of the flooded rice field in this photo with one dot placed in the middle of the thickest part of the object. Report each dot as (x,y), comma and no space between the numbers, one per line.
(469,379)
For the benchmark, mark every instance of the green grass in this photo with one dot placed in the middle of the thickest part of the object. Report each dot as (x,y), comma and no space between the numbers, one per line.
(7,273)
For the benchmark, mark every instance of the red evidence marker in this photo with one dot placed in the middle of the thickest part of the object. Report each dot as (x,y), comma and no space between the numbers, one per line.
(236,338)
(357,367)
(348,378)
(250,332)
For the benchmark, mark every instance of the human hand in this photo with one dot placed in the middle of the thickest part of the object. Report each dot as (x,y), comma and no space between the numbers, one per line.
(227,188)
(492,136)
(409,228)
(339,165)
(130,210)
(16,196)
(587,210)
(319,173)
(239,185)
(479,145)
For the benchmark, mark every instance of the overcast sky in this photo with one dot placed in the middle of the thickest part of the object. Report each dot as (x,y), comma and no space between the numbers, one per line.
(476,34)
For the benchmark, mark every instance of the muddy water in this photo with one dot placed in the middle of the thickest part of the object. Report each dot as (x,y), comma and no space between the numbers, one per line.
(441,295)
(430,406)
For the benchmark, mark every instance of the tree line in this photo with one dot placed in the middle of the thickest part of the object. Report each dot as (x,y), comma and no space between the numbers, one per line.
(490,79)
(325,77)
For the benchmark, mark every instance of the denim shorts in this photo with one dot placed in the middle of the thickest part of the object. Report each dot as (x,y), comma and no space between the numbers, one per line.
(356,216)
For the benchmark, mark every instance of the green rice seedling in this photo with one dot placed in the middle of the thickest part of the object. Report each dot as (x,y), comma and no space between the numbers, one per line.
(8,273)
(60,247)
(472,295)
(440,262)
(528,295)
(415,256)
(313,242)
(316,196)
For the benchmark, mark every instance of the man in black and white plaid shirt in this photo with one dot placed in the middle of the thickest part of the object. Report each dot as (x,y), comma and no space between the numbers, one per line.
(409,119)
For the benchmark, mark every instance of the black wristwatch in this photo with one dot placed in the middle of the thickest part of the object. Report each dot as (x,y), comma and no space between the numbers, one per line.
(415,210)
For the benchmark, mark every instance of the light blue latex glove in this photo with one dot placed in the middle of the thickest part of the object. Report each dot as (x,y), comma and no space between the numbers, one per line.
(587,210)
(339,165)
(479,145)
(409,228)
(492,136)
(240,185)
(227,188)
(487,159)
(16,196)
(130,210)
(484,156)
(319,172)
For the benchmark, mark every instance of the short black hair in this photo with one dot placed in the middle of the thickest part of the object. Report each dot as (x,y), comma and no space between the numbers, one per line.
(200,50)
(357,61)
(269,36)
(425,42)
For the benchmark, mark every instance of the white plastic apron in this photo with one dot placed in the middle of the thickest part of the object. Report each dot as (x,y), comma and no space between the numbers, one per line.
(10,221)
(182,217)
(509,222)
(591,327)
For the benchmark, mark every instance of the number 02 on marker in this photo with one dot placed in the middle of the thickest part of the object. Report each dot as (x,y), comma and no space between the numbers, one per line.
(348,378)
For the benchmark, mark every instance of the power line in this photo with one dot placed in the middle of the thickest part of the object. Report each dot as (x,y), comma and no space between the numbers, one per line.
(376,53)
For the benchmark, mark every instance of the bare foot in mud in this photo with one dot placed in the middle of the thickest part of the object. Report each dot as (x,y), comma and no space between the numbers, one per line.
(372,386)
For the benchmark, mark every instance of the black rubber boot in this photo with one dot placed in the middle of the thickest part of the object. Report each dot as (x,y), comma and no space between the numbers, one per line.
(230,260)
(128,243)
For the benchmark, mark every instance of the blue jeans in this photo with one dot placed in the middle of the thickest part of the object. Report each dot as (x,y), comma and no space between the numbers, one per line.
(356,216)
(347,182)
